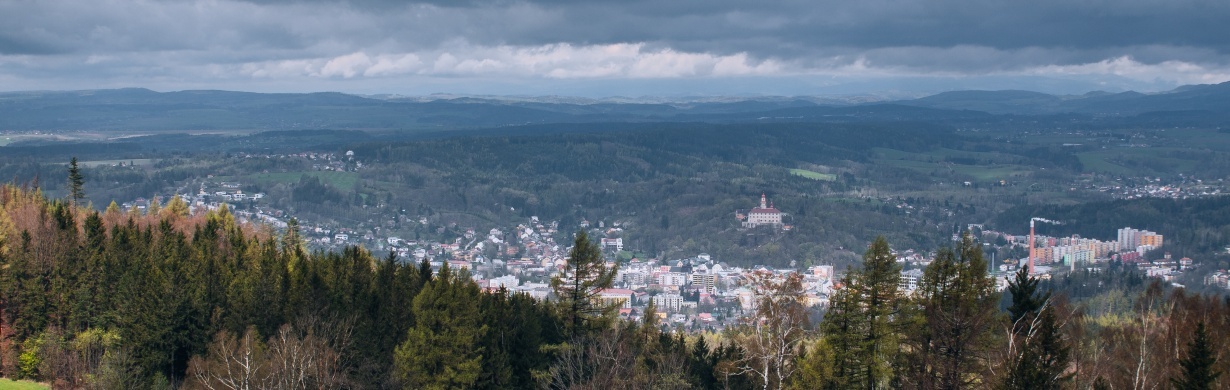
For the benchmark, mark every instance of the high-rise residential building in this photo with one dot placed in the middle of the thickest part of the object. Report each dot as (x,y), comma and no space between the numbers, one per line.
(1130,239)
(668,302)
(1154,240)
(706,282)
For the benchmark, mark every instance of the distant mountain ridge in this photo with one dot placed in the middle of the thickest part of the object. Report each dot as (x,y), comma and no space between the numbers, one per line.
(1207,97)
(138,109)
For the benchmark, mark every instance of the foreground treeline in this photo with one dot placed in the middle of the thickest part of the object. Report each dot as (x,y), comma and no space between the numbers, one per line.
(951,333)
(125,300)
(166,299)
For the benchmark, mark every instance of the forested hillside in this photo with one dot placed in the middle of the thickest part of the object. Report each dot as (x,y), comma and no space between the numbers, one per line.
(674,187)
(678,185)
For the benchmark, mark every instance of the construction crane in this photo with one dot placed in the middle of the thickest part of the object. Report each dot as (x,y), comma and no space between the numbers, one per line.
(1033,270)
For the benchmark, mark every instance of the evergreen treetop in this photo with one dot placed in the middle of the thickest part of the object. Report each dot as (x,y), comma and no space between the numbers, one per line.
(1197,368)
(579,286)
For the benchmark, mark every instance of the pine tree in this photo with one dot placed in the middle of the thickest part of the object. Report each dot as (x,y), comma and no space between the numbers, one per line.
(1197,367)
(579,285)
(75,182)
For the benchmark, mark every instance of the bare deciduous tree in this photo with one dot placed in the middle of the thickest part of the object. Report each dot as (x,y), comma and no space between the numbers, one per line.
(770,339)
(294,358)
(233,363)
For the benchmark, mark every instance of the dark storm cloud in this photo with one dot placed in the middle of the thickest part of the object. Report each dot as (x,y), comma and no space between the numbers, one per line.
(806,28)
(220,39)
(868,23)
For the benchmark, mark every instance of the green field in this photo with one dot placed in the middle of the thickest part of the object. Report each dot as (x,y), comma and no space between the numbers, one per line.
(991,172)
(813,175)
(6,384)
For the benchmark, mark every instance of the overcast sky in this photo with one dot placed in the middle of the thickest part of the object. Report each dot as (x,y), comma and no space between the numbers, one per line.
(614,47)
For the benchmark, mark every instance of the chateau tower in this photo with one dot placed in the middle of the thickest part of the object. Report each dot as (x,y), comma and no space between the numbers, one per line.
(766,214)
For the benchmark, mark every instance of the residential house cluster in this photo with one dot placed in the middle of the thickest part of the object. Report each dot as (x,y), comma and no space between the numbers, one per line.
(700,293)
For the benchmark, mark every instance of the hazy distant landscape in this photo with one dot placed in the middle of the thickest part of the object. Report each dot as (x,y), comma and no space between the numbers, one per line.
(679,195)
(936,163)
(142,110)
(667,182)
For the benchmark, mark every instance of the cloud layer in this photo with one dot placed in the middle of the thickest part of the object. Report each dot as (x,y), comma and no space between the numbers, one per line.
(409,47)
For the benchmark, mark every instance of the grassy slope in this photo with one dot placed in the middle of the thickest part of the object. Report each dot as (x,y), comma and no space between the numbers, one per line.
(6,384)
(813,175)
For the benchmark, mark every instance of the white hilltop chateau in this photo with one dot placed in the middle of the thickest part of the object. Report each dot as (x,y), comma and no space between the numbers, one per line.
(765,215)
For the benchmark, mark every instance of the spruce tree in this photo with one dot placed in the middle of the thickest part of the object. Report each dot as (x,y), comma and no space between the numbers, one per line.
(1025,299)
(536,326)
(443,349)
(425,271)
(1041,354)
(497,313)
(701,362)
(1197,367)
(578,287)
(1043,358)
(75,182)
